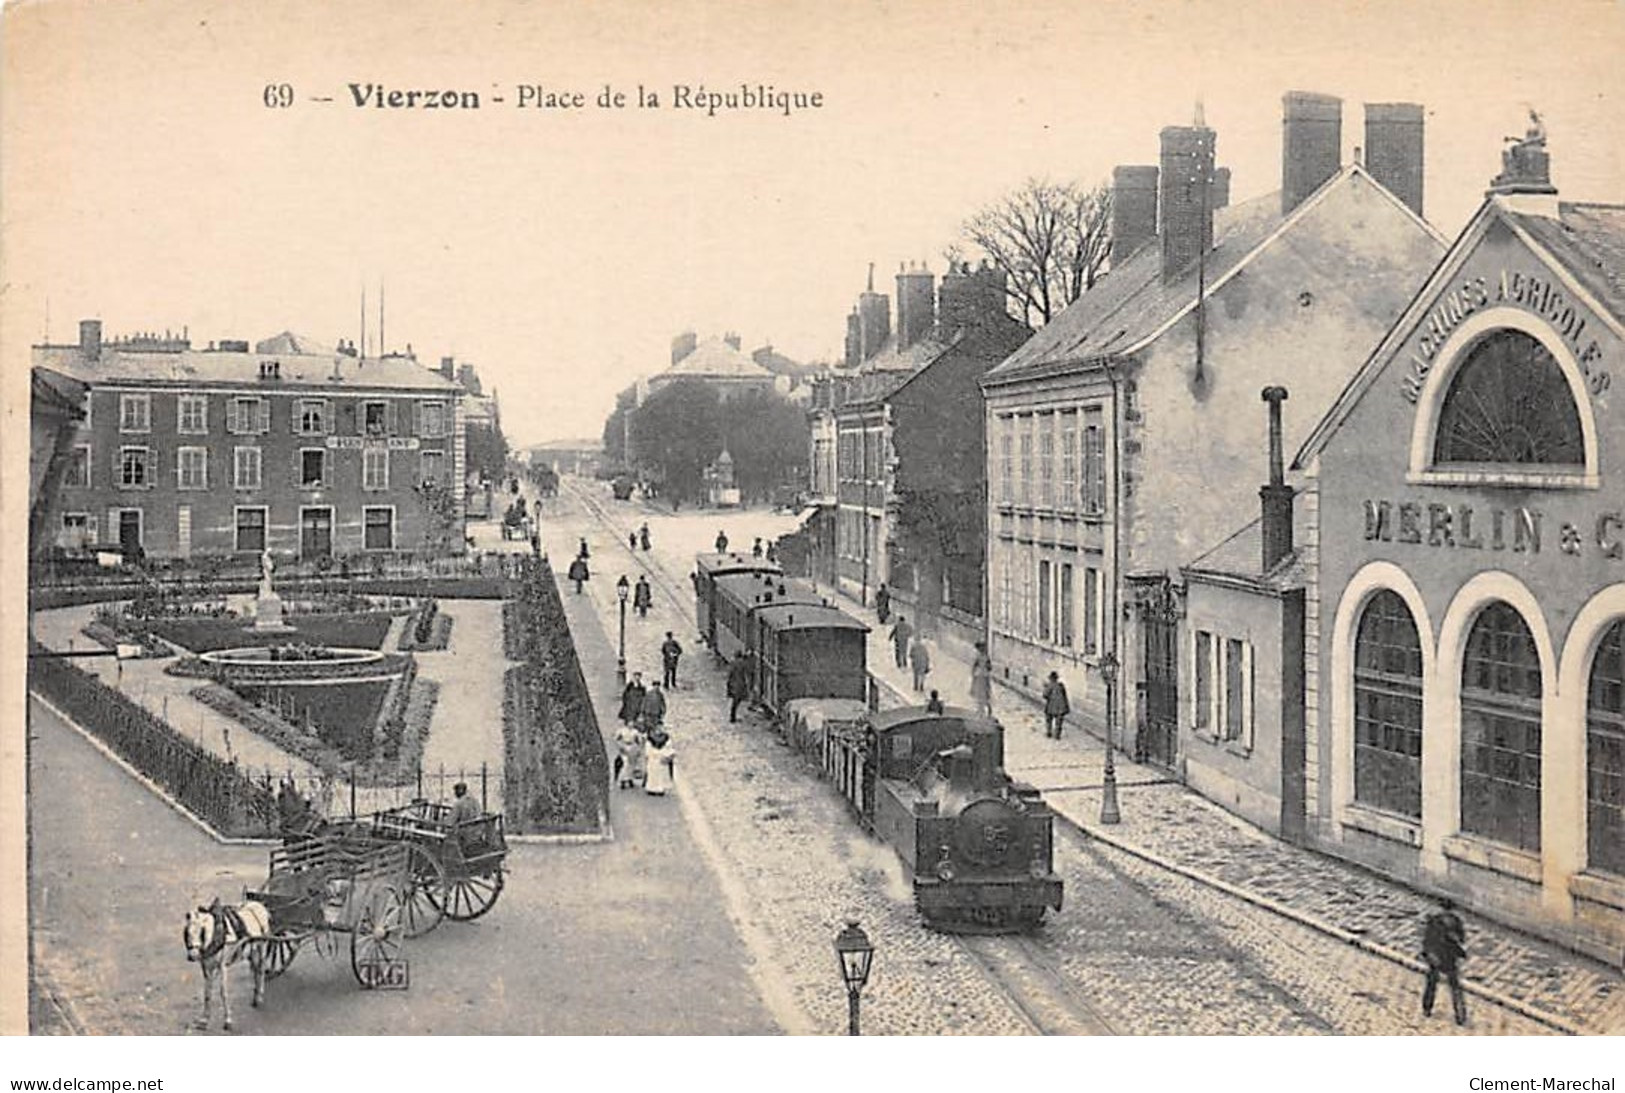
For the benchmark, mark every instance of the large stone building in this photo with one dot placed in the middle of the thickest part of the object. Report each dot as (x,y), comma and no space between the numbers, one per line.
(897,446)
(1460,562)
(719,363)
(291,448)
(1122,436)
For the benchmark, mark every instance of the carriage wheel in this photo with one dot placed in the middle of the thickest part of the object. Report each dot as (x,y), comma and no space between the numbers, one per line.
(470,897)
(278,953)
(425,892)
(378,934)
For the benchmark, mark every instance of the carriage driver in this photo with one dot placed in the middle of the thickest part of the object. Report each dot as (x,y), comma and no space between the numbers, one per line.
(464,808)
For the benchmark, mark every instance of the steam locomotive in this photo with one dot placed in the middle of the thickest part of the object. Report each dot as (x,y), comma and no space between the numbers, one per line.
(976,845)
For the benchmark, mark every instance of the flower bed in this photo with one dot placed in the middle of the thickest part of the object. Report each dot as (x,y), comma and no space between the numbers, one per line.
(427,630)
(555,772)
(362,630)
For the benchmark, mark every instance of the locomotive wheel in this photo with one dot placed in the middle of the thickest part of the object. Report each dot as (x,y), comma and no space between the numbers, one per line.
(468,898)
(422,906)
(277,953)
(378,935)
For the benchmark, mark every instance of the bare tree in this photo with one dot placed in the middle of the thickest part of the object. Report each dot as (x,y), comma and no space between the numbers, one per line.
(1050,238)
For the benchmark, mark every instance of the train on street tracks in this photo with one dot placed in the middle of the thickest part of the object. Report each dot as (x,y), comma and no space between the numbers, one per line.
(976,845)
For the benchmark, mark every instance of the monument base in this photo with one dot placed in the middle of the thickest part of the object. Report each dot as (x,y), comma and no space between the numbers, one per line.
(268,616)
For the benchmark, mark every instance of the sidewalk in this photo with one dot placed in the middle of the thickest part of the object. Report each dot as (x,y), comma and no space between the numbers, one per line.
(1174,826)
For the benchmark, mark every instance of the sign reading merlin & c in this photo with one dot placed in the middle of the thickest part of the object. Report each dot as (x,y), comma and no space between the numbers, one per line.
(1519,530)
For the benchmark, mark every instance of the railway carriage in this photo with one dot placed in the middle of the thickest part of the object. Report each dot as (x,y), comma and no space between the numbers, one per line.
(708,568)
(805,650)
(738,599)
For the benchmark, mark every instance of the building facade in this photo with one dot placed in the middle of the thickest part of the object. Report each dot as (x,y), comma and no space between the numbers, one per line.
(187,453)
(1465,709)
(1120,445)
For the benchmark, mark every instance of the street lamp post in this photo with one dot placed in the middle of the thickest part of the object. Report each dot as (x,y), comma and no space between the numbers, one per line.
(1108,793)
(622,588)
(856,952)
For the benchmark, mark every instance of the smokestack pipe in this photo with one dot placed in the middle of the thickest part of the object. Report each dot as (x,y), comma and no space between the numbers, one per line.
(1276,497)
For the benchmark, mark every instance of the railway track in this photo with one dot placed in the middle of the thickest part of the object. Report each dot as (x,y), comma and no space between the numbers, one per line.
(1031,981)
(1036,986)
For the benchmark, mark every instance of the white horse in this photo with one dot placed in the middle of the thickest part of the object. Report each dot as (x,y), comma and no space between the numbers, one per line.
(216,936)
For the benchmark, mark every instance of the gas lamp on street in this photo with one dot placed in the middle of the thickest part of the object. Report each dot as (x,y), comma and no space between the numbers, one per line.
(622,590)
(856,952)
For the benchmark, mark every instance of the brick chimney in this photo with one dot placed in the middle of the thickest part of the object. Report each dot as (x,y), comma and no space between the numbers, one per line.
(874,318)
(1311,144)
(1187,212)
(1393,149)
(1276,497)
(854,339)
(970,297)
(683,345)
(1134,210)
(448,367)
(732,340)
(916,304)
(1219,195)
(90,338)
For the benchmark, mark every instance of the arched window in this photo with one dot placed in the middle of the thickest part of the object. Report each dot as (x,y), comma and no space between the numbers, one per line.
(1388,708)
(1509,404)
(1605,755)
(1500,730)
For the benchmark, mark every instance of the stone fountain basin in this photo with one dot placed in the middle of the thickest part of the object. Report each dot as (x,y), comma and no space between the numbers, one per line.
(255,655)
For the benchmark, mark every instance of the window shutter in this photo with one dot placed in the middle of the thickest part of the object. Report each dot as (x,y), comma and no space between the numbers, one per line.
(264,406)
(359,409)
(92,531)
(180,454)
(389,417)
(296,414)
(417,419)
(112,526)
(328,423)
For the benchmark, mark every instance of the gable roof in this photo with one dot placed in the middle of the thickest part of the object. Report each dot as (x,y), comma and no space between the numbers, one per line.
(1133,306)
(288,342)
(1587,241)
(1240,557)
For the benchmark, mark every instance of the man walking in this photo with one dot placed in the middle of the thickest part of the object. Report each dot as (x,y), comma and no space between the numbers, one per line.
(1056,706)
(654,709)
(738,685)
(643,597)
(632,699)
(883,603)
(900,634)
(1444,947)
(722,542)
(919,658)
(670,653)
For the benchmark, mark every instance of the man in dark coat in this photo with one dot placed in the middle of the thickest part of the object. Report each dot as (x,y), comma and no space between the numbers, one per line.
(1444,947)
(899,640)
(632,698)
(1056,706)
(578,573)
(883,602)
(738,685)
(670,654)
(654,708)
(643,537)
(643,597)
(722,543)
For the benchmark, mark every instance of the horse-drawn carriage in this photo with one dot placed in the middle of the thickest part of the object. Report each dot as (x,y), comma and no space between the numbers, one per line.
(334,884)
(456,867)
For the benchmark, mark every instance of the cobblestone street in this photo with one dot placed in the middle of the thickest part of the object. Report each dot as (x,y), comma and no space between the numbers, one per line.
(1180,927)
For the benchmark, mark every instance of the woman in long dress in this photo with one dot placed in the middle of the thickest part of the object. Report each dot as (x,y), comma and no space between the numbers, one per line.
(981,681)
(657,760)
(629,756)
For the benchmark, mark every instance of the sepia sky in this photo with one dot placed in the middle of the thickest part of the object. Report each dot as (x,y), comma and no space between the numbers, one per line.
(146,182)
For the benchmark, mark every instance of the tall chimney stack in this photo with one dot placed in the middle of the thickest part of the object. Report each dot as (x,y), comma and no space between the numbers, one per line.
(1134,210)
(1276,497)
(1311,144)
(90,338)
(1394,149)
(1187,211)
(448,367)
(916,304)
(874,318)
(854,339)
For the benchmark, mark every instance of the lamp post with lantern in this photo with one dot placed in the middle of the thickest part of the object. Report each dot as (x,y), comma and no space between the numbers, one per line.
(622,590)
(1108,790)
(856,952)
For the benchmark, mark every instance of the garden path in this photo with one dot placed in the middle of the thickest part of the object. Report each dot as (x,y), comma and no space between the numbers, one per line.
(466,729)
